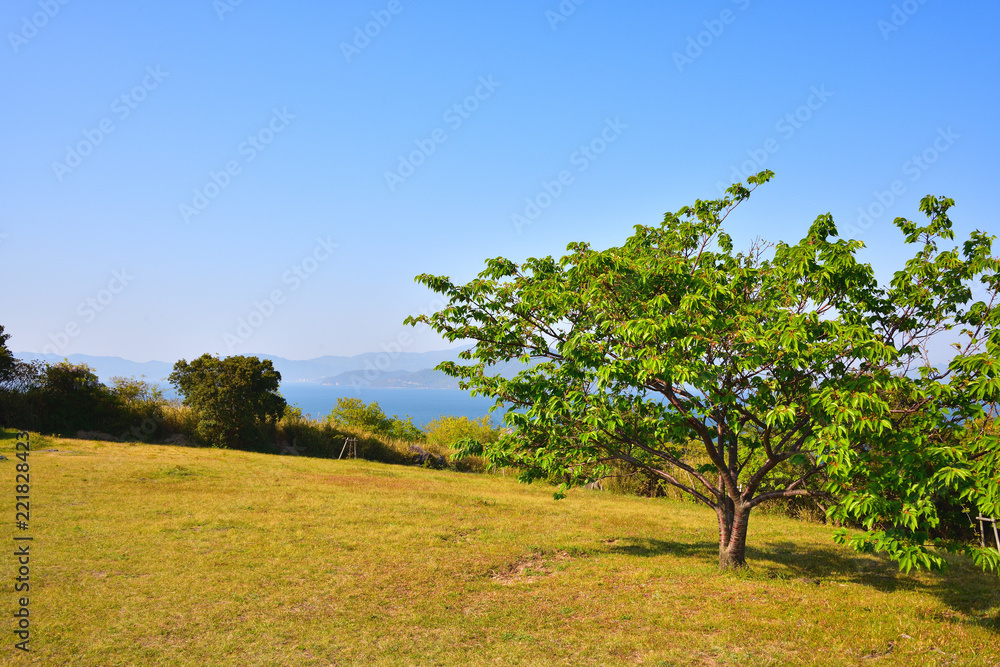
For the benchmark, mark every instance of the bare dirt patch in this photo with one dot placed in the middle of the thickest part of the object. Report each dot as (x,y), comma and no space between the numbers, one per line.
(529,568)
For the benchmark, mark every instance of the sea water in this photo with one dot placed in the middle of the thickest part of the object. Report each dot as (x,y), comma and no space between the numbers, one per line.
(423,405)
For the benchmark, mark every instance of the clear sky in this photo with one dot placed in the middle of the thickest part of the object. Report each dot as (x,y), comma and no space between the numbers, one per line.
(171,169)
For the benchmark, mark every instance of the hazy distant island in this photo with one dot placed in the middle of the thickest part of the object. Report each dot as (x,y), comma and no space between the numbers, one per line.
(427,378)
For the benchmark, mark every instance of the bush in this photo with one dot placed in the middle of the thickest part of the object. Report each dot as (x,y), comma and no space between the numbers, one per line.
(464,434)
(73,399)
(179,419)
(65,398)
(20,405)
(447,431)
(300,435)
(7,360)
(353,413)
(140,408)
(405,429)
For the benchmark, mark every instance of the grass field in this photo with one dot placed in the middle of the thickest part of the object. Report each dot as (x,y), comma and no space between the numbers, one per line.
(154,555)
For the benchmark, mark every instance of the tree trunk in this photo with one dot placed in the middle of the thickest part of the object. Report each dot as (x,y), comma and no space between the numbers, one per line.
(733,522)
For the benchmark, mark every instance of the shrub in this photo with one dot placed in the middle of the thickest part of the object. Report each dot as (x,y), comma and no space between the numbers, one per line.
(72,399)
(463,439)
(354,413)
(66,398)
(20,405)
(139,408)
(447,430)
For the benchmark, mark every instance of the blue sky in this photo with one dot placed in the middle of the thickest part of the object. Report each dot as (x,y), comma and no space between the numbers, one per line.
(245,177)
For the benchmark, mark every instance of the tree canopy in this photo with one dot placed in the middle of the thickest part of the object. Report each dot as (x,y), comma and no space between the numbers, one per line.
(234,397)
(72,398)
(744,377)
(7,360)
(356,414)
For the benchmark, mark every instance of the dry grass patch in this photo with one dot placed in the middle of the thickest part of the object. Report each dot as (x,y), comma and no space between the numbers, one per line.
(177,556)
(529,568)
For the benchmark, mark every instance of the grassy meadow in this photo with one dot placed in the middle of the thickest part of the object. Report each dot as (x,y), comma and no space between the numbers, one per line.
(158,555)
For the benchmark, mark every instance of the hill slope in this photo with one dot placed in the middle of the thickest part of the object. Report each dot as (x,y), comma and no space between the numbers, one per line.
(159,555)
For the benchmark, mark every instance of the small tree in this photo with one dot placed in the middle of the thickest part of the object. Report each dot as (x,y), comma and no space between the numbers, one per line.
(72,398)
(7,360)
(20,404)
(403,428)
(355,413)
(793,370)
(140,406)
(136,393)
(234,397)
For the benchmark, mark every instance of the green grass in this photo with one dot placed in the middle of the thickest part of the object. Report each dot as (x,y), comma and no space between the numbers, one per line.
(155,555)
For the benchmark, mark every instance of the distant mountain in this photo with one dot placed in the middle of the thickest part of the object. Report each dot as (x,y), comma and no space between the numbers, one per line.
(371,365)
(109,367)
(316,370)
(411,370)
(427,378)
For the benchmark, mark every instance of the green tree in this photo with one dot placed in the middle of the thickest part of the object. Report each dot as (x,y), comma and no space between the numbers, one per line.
(136,393)
(355,413)
(72,399)
(7,360)
(791,358)
(140,407)
(19,405)
(403,428)
(235,397)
